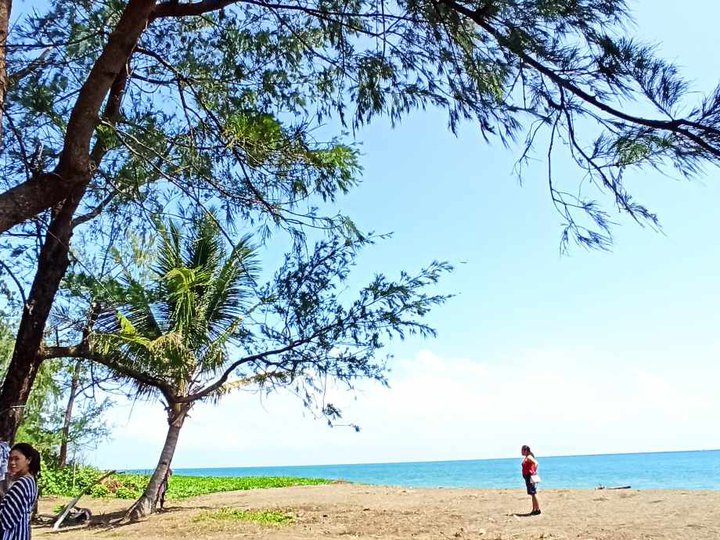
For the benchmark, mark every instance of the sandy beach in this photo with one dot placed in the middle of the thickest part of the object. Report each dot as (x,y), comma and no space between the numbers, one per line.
(342,511)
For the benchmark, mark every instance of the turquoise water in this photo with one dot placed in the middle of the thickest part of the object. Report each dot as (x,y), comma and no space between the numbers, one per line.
(659,470)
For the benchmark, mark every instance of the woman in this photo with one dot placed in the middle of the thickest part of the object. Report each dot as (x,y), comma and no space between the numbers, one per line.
(529,469)
(17,505)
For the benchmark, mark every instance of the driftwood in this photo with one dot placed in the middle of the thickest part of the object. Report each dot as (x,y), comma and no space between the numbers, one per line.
(61,517)
(613,487)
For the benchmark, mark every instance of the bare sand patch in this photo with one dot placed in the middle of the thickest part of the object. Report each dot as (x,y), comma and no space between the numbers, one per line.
(344,511)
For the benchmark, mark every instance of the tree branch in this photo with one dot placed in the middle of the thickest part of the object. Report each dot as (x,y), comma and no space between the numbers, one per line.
(252,358)
(17,282)
(95,212)
(175,9)
(75,156)
(673,126)
(27,70)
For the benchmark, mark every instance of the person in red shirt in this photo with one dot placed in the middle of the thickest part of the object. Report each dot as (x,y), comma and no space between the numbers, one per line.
(529,469)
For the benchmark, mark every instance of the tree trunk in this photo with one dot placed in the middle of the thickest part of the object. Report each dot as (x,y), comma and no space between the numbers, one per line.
(5,8)
(52,265)
(74,384)
(147,504)
(75,166)
(25,362)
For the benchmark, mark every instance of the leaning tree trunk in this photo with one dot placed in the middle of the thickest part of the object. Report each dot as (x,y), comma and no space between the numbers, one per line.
(5,7)
(52,265)
(26,360)
(75,167)
(65,436)
(147,504)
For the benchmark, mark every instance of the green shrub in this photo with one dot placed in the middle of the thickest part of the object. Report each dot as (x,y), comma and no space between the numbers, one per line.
(182,487)
(70,481)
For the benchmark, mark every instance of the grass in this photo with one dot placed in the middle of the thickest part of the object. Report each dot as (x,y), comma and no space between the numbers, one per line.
(264,517)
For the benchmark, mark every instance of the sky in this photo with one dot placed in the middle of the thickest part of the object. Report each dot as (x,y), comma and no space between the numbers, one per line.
(584,353)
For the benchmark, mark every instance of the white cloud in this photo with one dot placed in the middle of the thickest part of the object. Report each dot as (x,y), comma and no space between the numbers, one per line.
(559,401)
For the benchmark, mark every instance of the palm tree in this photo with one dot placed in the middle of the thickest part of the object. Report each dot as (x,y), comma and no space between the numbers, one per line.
(172,333)
(197,326)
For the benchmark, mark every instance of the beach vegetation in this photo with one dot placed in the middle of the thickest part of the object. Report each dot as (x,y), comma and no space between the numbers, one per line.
(72,480)
(183,487)
(264,517)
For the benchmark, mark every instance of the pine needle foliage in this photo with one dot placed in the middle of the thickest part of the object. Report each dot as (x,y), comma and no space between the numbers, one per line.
(219,99)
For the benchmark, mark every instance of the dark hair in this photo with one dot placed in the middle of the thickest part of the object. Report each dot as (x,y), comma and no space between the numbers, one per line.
(526,447)
(31,454)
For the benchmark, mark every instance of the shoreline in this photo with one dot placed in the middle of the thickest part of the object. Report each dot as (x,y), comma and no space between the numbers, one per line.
(545,486)
(342,510)
(676,470)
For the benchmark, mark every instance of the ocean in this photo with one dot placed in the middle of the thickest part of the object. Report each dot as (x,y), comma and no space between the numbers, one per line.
(657,470)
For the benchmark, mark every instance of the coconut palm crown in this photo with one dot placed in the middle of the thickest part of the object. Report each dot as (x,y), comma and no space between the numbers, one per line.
(178,327)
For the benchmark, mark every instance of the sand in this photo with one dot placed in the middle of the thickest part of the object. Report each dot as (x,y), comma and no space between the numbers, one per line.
(345,511)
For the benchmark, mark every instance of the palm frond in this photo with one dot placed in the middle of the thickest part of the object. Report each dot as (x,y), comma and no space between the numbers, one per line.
(177,326)
(232,285)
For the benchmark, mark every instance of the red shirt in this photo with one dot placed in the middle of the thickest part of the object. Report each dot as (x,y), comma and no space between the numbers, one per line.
(528,467)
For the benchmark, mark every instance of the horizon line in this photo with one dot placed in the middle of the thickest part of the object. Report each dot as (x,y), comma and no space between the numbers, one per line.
(427,461)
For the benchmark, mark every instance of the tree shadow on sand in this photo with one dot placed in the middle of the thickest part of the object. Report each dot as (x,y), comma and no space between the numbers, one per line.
(105,520)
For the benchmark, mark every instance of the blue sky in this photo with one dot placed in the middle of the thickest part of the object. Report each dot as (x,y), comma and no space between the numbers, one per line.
(589,352)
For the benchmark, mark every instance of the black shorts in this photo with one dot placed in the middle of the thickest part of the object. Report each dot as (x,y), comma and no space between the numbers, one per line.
(530,485)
